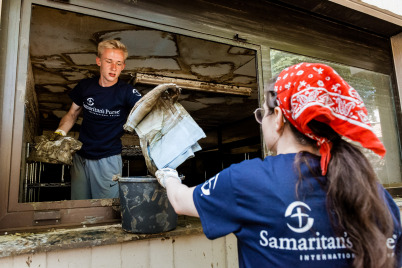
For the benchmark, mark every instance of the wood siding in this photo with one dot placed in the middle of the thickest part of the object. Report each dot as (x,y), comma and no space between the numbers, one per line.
(396,42)
(182,252)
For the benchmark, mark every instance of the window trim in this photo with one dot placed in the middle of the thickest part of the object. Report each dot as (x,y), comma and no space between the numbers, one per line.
(15,215)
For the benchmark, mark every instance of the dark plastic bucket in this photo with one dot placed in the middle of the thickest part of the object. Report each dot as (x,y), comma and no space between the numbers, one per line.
(144,206)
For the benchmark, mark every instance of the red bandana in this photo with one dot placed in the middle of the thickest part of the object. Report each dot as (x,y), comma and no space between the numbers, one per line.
(308,91)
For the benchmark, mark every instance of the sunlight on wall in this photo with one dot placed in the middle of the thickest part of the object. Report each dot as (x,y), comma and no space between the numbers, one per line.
(395,6)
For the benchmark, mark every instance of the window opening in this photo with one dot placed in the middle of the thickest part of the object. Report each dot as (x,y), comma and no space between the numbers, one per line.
(62,51)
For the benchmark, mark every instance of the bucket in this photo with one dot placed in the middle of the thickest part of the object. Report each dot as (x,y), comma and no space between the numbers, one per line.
(144,206)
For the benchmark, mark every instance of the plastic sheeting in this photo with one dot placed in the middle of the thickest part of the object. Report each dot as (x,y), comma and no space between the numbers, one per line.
(168,134)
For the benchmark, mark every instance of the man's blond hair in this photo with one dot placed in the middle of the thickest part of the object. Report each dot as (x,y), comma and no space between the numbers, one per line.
(114,44)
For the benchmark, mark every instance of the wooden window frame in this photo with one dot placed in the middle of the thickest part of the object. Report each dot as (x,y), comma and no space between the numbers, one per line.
(13,73)
(14,215)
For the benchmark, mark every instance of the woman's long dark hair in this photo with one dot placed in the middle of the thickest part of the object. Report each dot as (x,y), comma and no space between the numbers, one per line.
(354,203)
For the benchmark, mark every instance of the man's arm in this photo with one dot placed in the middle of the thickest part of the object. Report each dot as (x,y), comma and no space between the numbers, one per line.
(69,119)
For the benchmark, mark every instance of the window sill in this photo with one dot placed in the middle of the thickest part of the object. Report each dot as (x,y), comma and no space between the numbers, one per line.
(398,202)
(59,239)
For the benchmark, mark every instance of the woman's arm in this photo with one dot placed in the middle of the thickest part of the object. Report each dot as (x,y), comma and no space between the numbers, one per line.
(180,196)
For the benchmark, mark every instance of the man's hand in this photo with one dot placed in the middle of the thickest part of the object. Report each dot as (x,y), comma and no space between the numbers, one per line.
(173,93)
(57,134)
(166,173)
(167,86)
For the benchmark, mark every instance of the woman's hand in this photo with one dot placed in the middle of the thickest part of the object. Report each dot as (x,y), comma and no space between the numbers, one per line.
(166,173)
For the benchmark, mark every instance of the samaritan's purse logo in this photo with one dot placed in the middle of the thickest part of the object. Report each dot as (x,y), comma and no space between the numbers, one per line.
(295,210)
(309,246)
(90,101)
(209,185)
(104,112)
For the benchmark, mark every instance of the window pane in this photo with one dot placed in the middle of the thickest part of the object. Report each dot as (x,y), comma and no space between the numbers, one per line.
(375,90)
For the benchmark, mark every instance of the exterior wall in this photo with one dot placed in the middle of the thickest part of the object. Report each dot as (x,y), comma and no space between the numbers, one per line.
(182,252)
(254,25)
(186,251)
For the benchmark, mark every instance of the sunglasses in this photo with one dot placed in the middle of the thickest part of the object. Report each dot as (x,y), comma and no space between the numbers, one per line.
(259,114)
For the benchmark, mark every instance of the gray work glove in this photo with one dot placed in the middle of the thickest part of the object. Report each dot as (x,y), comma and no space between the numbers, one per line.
(166,173)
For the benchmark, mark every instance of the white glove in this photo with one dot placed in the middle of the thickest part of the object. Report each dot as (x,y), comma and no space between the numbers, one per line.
(166,86)
(166,173)
(60,132)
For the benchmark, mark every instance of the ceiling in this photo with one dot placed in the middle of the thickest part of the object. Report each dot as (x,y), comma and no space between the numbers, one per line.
(63,51)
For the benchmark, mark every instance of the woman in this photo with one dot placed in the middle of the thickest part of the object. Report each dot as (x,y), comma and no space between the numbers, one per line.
(317,203)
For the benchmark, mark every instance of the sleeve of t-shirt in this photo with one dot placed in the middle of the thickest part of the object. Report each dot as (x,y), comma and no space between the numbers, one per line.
(397,222)
(216,205)
(396,217)
(76,94)
(132,96)
(398,251)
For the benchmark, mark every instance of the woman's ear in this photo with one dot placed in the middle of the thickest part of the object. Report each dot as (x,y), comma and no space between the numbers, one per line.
(279,119)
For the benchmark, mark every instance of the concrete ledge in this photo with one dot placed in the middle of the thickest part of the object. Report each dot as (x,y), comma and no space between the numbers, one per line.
(84,237)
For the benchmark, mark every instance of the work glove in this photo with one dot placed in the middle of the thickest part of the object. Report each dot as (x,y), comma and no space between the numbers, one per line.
(57,134)
(60,150)
(166,173)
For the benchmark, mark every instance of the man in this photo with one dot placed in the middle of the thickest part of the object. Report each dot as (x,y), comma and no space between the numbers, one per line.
(105,102)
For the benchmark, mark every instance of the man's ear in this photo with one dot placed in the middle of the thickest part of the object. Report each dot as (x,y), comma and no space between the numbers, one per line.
(98,61)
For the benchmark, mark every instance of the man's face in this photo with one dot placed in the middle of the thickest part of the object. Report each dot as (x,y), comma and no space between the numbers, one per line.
(111,64)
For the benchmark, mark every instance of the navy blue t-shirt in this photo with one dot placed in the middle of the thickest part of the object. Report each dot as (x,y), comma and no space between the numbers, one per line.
(105,111)
(256,200)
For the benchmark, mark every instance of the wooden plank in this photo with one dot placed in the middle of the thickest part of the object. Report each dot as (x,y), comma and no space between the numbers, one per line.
(195,250)
(135,254)
(232,258)
(106,256)
(192,84)
(69,258)
(161,252)
(396,43)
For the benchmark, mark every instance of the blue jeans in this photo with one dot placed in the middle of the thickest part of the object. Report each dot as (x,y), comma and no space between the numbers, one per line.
(92,179)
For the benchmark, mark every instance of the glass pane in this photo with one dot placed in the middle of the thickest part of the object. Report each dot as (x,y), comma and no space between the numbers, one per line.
(375,90)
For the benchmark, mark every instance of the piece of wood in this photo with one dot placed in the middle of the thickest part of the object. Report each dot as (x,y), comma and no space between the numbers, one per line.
(192,84)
